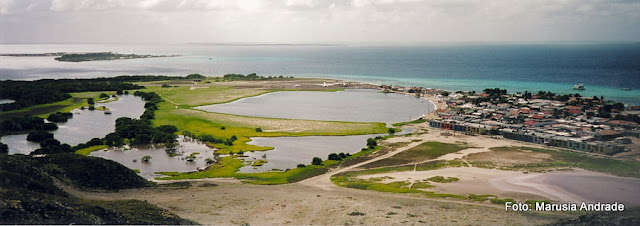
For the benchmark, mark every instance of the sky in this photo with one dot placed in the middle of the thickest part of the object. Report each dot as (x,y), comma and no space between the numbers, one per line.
(317,21)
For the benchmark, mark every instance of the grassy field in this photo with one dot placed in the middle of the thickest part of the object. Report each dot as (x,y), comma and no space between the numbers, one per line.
(77,100)
(423,152)
(555,159)
(184,96)
(417,121)
(229,166)
(87,151)
(178,110)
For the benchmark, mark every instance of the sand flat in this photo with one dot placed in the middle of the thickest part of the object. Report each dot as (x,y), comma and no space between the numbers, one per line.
(574,186)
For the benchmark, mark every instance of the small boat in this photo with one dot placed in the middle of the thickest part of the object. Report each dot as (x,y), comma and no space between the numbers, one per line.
(626,89)
(578,86)
(107,112)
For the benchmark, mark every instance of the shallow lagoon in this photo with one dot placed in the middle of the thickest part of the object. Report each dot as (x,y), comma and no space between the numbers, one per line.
(353,105)
(160,160)
(288,152)
(84,125)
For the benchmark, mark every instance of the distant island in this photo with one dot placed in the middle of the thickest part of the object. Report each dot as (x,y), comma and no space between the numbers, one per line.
(79,57)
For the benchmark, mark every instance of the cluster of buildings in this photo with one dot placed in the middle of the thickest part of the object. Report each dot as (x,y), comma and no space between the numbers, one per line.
(568,124)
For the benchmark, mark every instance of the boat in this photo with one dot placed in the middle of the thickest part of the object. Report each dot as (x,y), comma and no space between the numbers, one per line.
(107,112)
(578,86)
(626,89)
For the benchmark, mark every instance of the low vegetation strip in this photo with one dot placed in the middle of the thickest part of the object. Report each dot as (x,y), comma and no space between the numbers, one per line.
(555,159)
(87,151)
(417,121)
(423,152)
(229,166)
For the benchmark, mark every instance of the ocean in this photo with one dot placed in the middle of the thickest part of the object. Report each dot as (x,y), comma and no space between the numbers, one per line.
(604,68)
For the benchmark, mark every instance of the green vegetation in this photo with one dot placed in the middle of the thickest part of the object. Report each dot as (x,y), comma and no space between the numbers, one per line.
(221,127)
(316,161)
(44,91)
(417,121)
(501,201)
(229,166)
(24,124)
(60,117)
(564,159)
(441,179)
(423,152)
(481,198)
(251,77)
(88,150)
(350,181)
(30,195)
(355,213)
(4,149)
(259,162)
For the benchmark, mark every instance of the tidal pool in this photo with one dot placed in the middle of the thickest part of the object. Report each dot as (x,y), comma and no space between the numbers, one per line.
(160,160)
(84,125)
(353,105)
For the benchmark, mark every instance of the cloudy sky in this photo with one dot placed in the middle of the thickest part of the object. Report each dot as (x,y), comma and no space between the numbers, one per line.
(317,21)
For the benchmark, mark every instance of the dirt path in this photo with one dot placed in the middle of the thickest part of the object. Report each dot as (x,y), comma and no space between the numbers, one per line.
(324,181)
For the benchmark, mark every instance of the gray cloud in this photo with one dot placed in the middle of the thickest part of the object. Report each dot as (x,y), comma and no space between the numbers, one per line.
(159,21)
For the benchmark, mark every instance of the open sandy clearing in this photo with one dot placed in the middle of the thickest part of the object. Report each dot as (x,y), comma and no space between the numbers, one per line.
(236,203)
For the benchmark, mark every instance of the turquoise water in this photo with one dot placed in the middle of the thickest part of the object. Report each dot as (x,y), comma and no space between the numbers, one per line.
(604,68)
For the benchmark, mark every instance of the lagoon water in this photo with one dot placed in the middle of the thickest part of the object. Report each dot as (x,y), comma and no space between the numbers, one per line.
(84,125)
(160,160)
(288,152)
(353,105)
(604,68)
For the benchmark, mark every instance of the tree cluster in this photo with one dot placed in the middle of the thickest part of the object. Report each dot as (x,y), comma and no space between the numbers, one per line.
(152,99)
(140,132)
(60,117)
(17,125)
(251,77)
(340,156)
(29,93)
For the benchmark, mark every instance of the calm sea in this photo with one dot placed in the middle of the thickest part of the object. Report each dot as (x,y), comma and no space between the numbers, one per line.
(604,68)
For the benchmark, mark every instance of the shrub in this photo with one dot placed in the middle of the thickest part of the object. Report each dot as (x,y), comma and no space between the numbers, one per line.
(334,156)
(4,149)
(316,161)
(371,143)
(299,165)
(59,117)
(39,135)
